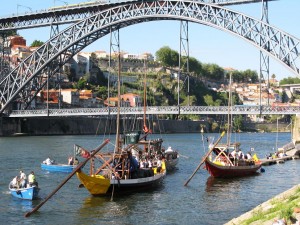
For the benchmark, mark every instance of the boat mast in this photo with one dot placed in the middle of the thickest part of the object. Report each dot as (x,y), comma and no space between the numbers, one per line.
(276,146)
(119,105)
(229,119)
(145,94)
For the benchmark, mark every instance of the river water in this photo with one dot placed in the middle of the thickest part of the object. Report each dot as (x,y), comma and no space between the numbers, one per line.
(203,201)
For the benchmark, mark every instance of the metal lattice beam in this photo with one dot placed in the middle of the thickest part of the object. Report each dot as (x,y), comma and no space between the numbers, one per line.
(160,110)
(28,76)
(264,58)
(74,13)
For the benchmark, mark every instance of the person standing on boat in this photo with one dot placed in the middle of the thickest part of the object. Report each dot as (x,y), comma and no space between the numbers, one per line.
(149,163)
(76,161)
(32,180)
(70,161)
(159,165)
(240,154)
(23,179)
(249,156)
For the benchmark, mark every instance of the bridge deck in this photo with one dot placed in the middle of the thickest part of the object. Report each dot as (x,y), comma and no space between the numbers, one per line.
(159,110)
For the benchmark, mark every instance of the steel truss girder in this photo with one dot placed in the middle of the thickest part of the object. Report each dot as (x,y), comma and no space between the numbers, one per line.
(264,58)
(160,110)
(71,14)
(27,77)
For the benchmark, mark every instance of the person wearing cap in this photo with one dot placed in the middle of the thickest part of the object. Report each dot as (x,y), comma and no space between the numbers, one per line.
(23,179)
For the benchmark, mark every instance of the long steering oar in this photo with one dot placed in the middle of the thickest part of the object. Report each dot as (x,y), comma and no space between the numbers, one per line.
(80,165)
(204,158)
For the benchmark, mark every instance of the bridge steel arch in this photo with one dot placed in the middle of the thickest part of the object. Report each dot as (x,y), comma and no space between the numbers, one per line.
(29,77)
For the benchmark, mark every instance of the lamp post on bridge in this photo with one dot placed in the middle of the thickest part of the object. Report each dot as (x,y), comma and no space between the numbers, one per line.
(24,6)
(66,3)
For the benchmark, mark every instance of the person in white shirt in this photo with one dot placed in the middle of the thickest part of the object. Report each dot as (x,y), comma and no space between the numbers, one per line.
(249,156)
(23,179)
(15,182)
(48,161)
(233,154)
(159,164)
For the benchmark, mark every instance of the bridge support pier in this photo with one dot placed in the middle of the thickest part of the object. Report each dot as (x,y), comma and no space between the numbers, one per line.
(296,129)
(9,126)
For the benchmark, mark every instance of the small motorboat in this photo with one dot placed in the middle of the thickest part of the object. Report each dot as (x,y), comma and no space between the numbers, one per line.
(28,193)
(171,158)
(65,168)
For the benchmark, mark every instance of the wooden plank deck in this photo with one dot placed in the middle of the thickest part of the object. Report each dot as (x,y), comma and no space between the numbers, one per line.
(290,154)
(267,162)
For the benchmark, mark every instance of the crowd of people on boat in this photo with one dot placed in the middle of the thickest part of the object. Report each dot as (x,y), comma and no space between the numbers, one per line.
(22,181)
(133,164)
(237,157)
(71,161)
(275,155)
(238,154)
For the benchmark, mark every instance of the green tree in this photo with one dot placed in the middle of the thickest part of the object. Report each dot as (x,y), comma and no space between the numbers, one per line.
(238,123)
(81,84)
(247,76)
(167,57)
(102,92)
(194,65)
(213,71)
(273,76)
(208,99)
(36,43)
(7,33)
(290,80)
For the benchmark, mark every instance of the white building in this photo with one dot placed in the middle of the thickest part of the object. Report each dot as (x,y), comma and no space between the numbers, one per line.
(81,64)
(70,96)
(130,56)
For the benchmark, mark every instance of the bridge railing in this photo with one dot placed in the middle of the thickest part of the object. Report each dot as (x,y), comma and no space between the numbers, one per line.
(160,110)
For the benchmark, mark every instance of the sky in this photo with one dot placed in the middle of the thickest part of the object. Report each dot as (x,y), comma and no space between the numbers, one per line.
(206,44)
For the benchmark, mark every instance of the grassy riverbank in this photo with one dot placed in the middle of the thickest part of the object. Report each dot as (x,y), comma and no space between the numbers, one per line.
(284,206)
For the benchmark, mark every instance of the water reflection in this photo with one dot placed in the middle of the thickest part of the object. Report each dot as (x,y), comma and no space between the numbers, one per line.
(223,185)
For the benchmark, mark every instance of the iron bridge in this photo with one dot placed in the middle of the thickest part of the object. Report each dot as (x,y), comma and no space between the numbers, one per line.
(160,110)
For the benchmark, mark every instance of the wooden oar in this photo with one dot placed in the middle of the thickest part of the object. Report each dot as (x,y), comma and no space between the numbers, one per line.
(183,156)
(80,165)
(204,158)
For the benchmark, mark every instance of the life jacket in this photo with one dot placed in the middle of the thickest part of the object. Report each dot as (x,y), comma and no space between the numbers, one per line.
(31,178)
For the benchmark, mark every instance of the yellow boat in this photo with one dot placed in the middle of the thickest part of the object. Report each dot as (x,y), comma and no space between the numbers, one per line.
(104,185)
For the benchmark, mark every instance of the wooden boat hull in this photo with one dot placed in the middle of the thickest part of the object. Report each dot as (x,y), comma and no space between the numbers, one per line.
(99,185)
(58,167)
(230,171)
(29,193)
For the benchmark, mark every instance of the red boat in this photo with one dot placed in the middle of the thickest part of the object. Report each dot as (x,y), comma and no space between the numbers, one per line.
(225,166)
